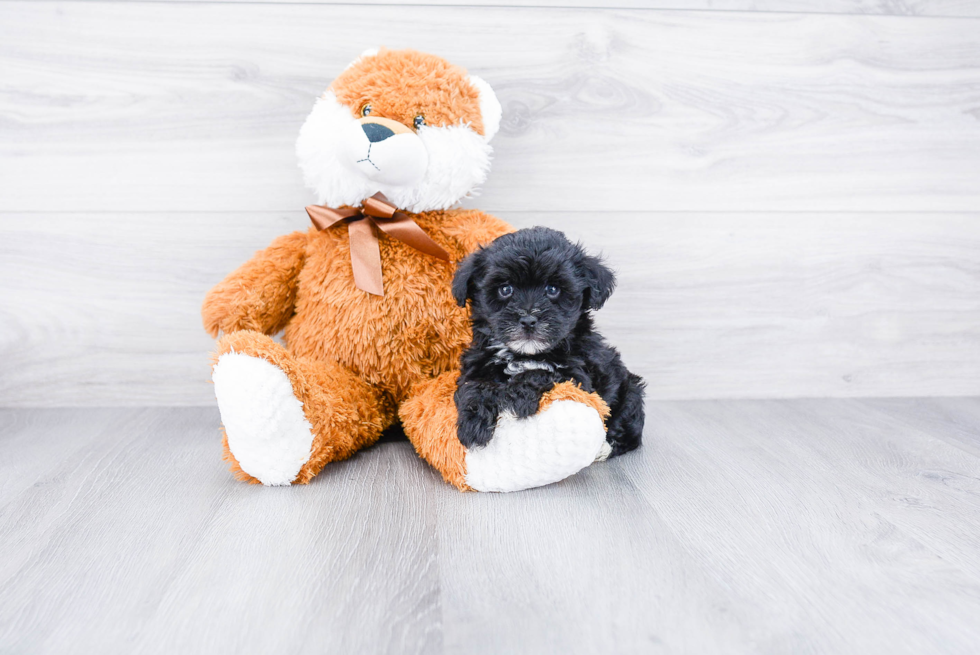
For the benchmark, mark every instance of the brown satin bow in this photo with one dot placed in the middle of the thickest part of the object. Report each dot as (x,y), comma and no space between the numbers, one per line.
(362,226)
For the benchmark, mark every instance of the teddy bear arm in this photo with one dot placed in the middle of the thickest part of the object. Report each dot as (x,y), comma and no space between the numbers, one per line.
(261,294)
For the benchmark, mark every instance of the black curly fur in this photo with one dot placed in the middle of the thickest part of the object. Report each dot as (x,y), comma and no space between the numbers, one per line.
(563,339)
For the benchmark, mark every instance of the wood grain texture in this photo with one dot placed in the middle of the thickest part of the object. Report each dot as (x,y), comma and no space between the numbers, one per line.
(964,8)
(104,309)
(798,504)
(961,420)
(195,106)
(141,539)
(804,526)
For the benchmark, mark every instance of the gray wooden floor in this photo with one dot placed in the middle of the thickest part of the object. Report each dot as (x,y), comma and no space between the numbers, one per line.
(779,526)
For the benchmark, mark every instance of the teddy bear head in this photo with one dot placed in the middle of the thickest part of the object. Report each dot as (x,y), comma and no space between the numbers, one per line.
(405,123)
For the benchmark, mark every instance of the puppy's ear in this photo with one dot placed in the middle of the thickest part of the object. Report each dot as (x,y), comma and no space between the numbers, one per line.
(466,275)
(599,279)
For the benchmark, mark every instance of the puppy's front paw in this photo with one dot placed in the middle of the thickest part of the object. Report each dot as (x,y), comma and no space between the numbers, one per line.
(526,391)
(474,431)
(526,403)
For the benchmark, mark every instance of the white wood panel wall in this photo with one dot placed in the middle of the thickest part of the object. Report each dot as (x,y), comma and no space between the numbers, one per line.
(792,199)
(882,7)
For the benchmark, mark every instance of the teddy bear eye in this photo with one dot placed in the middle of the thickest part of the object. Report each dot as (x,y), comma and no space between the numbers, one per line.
(552,291)
(366,109)
(419,121)
(505,291)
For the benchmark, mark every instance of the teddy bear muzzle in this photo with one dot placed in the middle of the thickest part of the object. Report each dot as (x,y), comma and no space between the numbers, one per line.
(385,151)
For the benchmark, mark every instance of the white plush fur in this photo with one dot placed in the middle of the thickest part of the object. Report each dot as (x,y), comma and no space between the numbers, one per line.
(267,430)
(458,160)
(539,450)
(490,109)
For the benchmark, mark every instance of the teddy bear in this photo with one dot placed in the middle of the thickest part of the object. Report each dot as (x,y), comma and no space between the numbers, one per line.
(371,334)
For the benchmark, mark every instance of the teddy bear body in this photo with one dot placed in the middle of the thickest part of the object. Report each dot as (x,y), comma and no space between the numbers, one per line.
(415,331)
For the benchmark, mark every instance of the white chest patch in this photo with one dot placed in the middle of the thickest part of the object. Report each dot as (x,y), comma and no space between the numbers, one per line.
(514,366)
(522,365)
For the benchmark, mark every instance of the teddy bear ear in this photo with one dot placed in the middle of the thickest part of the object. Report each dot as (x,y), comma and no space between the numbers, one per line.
(370,52)
(490,108)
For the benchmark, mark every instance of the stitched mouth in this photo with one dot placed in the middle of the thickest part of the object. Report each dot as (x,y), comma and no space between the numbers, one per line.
(367,158)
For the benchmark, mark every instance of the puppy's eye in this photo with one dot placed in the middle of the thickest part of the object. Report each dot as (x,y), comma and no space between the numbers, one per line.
(419,121)
(366,109)
(552,291)
(505,291)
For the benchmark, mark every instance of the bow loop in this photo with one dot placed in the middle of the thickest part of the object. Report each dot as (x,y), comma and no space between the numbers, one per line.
(324,217)
(362,227)
(377,206)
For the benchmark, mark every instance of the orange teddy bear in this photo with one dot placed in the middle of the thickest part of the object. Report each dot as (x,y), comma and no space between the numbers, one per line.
(372,332)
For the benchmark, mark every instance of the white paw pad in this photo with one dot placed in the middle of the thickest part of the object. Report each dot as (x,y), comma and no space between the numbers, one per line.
(538,450)
(267,430)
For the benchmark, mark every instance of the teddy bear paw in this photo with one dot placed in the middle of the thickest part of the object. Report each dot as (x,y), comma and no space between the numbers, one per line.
(531,452)
(268,433)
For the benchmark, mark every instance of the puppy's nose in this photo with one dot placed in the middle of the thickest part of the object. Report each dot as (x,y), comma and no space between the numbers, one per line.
(528,322)
(376,132)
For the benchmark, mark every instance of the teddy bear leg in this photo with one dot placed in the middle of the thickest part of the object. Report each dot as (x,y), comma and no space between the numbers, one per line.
(286,417)
(566,435)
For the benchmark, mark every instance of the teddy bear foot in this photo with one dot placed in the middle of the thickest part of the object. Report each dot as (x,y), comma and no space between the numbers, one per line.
(268,433)
(566,435)
(550,446)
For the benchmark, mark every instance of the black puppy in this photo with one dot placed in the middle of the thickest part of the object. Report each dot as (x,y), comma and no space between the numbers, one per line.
(531,296)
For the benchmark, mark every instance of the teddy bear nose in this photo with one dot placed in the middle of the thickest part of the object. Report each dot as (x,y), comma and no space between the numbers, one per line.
(376,132)
(528,322)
